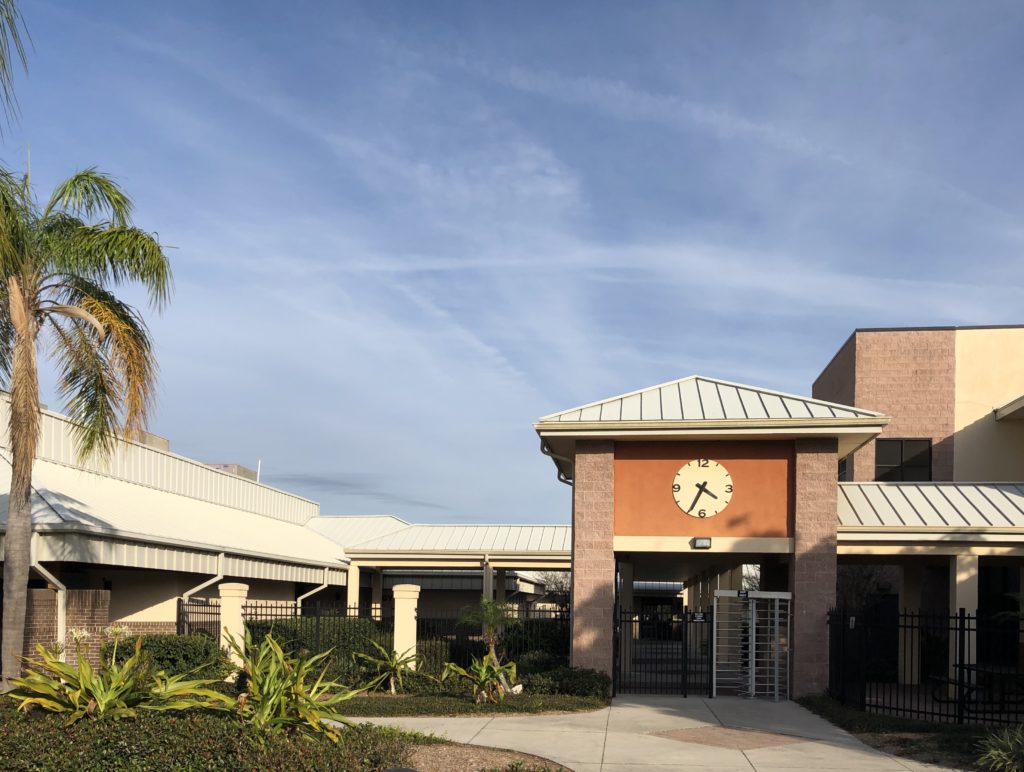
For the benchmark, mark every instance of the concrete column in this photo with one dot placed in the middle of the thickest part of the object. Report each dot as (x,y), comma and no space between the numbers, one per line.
(911,580)
(377,594)
(406,599)
(488,581)
(593,556)
(963,594)
(499,585)
(353,589)
(813,567)
(232,598)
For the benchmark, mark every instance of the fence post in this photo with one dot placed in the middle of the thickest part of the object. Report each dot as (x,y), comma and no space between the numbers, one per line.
(406,598)
(232,625)
(961,660)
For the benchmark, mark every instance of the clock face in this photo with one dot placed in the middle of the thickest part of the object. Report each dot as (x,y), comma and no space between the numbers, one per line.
(702,488)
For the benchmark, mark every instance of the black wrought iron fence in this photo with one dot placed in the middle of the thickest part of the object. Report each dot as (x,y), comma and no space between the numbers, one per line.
(663,652)
(315,628)
(934,666)
(199,615)
(444,637)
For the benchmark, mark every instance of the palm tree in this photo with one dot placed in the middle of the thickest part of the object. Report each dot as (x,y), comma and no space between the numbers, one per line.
(58,266)
(12,26)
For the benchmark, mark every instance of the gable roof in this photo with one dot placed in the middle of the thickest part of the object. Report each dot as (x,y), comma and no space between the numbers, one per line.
(697,398)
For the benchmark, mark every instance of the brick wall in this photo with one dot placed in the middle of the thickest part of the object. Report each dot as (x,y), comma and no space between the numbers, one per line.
(813,566)
(836,382)
(593,567)
(40,620)
(88,610)
(909,375)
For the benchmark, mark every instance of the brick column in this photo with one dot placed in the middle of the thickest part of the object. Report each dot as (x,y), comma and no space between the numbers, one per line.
(812,573)
(593,556)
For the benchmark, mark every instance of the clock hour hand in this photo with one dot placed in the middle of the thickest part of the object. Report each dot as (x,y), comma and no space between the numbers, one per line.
(702,488)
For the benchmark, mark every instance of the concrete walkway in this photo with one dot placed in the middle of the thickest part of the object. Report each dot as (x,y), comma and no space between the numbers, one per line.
(655,733)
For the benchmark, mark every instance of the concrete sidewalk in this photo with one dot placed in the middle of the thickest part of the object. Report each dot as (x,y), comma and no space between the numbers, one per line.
(654,733)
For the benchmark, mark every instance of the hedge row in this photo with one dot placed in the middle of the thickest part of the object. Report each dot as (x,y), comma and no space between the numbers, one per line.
(187,741)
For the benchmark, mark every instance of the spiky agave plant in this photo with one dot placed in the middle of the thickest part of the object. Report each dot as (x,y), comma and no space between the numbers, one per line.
(60,263)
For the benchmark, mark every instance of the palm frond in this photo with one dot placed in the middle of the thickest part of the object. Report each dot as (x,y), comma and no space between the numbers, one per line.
(91,193)
(109,254)
(87,383)
(12,28)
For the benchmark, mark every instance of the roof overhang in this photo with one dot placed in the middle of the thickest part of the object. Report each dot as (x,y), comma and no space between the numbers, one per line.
(559,437)
(78,543)
(1011,411)
(438,559)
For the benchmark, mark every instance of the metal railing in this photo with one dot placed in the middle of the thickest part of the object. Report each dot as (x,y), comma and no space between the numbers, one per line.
(444,637)
(199,615)
(934,666)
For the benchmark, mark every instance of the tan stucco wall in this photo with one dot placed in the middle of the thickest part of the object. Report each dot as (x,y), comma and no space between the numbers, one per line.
(989,373)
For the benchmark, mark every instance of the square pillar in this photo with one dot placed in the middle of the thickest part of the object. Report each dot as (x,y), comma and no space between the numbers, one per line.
(377,594)
(352,590)
(911,580)
(593,555)
(488,583)
(812,577)
(232,597)
(406,600)
(963,594)
(499,585)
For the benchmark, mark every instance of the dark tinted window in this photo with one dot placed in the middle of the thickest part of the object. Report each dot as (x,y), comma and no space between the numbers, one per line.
(903,460)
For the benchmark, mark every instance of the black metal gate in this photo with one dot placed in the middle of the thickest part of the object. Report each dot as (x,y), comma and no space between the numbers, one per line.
(663,652)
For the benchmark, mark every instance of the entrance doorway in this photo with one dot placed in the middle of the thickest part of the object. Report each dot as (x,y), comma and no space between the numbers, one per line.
(751,644)
(660,651)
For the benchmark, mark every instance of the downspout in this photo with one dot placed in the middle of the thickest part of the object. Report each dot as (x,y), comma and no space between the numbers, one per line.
(220,575)
(314,591)
(62,594)
(546,450)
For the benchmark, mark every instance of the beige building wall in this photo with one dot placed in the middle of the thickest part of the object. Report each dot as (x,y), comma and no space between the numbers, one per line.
(989,373)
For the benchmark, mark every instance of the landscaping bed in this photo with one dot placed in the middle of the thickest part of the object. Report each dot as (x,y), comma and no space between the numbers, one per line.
(189,741)
(454,705)
(947,745)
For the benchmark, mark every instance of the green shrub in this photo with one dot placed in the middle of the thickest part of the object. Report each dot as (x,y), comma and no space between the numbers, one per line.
(277,693)
(77,691)
(188,741)
(538,661)
(550,636)
(1003,751)
(464,704)
(489,681)
(198,655)
(343,636)
(575,681)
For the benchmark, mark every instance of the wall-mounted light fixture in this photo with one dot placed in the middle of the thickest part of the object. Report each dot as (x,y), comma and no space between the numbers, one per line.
(700,542)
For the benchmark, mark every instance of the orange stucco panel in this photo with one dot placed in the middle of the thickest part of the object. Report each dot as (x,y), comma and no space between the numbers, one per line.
(762,474)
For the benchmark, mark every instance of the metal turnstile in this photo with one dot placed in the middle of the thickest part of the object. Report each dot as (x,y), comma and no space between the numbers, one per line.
(751,640)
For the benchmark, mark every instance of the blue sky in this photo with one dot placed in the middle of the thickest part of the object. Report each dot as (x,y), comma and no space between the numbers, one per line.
(404,231)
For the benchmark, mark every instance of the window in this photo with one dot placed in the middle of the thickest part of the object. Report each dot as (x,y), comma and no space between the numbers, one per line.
(844,469)
(903,460)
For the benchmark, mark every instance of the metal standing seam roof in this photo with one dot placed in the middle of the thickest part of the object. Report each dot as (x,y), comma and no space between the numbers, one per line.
(354,529)
(931,505)
(69,499)
(491,539)
(697,398)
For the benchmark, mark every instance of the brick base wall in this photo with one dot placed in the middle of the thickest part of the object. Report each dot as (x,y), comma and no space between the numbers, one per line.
(593,562)
(813,566)
(40,620)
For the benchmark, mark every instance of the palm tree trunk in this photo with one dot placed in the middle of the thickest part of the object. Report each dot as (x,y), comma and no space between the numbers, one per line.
(24,435)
